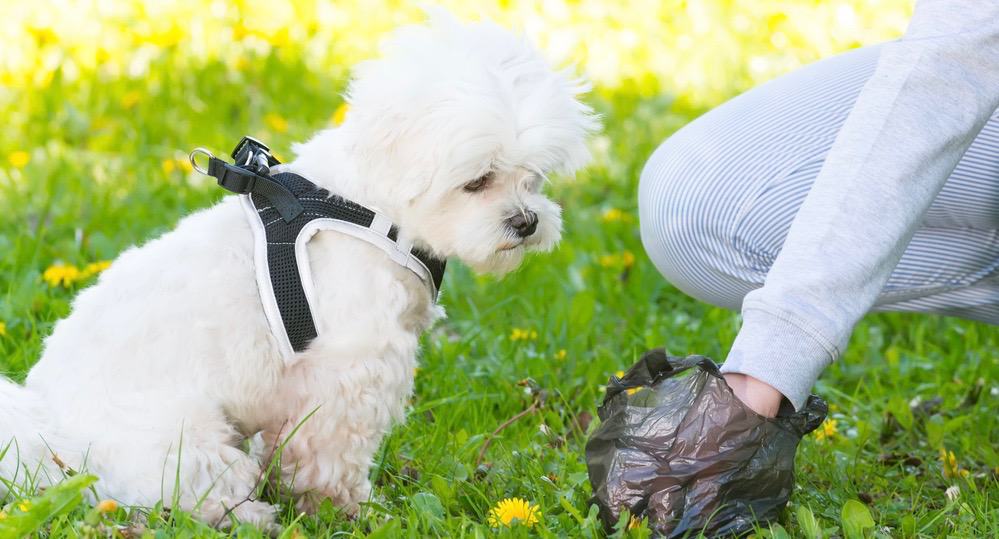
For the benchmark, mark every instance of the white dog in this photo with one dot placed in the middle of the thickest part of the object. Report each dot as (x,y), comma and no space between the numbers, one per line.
(168,363)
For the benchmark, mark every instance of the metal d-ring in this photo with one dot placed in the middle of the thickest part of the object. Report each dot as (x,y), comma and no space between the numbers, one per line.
(194,163)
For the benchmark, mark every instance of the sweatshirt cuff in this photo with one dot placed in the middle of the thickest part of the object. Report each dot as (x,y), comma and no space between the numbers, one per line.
(775,348)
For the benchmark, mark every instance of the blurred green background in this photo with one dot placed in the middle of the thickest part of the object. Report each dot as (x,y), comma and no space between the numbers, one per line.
(701,51)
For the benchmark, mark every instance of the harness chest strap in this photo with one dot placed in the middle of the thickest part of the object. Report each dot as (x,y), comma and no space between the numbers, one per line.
(285,211)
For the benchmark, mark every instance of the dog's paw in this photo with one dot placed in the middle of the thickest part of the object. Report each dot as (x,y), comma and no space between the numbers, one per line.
(225,514)
(309,503)
(261,514)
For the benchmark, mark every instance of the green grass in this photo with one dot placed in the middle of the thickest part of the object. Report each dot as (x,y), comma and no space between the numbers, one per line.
(96,184)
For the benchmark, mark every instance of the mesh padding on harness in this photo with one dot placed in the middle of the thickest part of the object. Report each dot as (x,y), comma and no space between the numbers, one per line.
(281,236)
(290,295)
(317,202)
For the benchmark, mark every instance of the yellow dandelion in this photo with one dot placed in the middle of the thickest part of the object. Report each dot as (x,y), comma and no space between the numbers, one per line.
(627,259)
(951,470)
(3,329)
(634,523)
(279,38)
(185,165)
(340,114)
(276,122)
(166,37)
(24,506)
(61,275)
(827,430)
(240,63)
(168,166)
(561,354)
(130,99)
(107,506)
(94,268)
(8,79)
(623,260)
(611,215)
(607,261)
(3,515)
(632,391)
(513,510)
(518,334)
(43,36)
(19,158)
(239,32)
(615,215)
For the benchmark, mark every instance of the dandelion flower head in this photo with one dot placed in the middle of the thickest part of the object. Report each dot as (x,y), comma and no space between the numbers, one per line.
(509,510)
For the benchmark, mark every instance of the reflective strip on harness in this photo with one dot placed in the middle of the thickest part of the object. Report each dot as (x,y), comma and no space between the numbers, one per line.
(282,264)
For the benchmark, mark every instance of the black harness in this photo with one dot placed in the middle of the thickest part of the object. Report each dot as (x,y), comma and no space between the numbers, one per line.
(285,210)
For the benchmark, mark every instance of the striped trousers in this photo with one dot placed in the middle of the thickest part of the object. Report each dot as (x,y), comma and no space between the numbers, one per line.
(716,199)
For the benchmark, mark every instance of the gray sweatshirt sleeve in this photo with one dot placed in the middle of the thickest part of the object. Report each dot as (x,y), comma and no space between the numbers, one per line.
(931,94)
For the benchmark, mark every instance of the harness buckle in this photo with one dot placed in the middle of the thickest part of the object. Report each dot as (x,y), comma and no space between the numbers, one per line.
(254,155)
(249,142)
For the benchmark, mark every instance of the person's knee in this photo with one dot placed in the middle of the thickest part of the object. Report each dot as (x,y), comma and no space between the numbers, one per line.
(682,228)
(667,229)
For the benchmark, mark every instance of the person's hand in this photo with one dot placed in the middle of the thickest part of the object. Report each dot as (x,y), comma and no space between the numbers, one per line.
(759,396)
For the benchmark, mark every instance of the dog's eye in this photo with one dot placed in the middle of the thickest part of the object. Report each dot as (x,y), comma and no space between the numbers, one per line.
(479,183)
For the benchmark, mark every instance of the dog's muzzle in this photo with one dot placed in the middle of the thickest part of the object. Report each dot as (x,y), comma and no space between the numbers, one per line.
(524,223)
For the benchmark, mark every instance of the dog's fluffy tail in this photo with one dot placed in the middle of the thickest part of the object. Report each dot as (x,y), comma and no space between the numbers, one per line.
(23,422)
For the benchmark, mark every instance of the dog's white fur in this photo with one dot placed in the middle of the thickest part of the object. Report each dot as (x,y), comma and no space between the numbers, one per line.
(167,363)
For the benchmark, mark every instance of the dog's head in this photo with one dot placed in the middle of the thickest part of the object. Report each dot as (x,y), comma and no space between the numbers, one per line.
(460,124)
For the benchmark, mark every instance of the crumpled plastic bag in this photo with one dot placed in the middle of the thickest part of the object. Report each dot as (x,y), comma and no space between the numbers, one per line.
(685,452)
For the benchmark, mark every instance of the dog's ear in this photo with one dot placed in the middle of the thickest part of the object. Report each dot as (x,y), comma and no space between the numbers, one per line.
(391,152)
(412,187)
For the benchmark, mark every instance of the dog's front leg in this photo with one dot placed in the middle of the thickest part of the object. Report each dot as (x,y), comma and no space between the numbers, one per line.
(341,412)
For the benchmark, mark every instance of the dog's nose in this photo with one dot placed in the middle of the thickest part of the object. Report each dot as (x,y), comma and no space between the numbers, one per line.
(524,224)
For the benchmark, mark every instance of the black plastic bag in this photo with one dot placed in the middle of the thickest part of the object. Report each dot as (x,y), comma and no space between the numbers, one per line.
(688,454)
